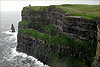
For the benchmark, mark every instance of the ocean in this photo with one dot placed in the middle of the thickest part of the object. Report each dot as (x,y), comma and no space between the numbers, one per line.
(9,57)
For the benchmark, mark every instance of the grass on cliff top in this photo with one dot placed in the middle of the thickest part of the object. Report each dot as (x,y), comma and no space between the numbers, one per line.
(82,8)
(87,15)
(86,11)
(34,8)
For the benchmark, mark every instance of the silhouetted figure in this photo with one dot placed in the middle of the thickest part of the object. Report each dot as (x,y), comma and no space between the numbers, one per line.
(12,28)
(29,5)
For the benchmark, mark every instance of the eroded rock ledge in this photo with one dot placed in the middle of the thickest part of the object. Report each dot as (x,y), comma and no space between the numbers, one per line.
(54,36)
(96,62)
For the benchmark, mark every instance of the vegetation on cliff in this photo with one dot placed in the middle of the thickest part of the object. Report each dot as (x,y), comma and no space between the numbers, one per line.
(43,37)
(86,11)
(63,40)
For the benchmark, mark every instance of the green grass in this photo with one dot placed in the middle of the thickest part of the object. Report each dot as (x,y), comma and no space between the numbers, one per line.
(88,15)
(86,11)
(34,33)
(59,39)
(33,8)
(75,62)
(91,12)
(54,56)
(63,40)
(46,25)
(82,8)
(24,22)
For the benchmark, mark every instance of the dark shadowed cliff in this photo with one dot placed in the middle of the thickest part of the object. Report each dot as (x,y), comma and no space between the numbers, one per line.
(56,37)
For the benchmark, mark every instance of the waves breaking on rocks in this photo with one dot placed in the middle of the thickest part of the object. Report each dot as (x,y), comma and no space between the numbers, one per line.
(17,59)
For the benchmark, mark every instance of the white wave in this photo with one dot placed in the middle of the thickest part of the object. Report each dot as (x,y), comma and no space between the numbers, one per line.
(37,63)
(21,59)
(11,54)
(14,35)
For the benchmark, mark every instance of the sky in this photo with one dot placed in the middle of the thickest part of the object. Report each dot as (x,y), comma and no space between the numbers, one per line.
(17,5)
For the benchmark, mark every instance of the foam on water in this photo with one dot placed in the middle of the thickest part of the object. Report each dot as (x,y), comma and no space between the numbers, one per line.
(19,58)
(14,35)
(36,62)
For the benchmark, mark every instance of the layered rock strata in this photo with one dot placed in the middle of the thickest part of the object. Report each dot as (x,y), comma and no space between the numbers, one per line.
(52,35)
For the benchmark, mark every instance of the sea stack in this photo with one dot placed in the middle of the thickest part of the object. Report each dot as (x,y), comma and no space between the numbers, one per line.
(12,28)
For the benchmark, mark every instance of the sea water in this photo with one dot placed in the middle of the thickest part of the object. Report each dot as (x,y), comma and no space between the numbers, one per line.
(9,57)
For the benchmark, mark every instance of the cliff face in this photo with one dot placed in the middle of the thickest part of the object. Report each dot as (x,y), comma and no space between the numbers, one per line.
(54,36)
(96,62)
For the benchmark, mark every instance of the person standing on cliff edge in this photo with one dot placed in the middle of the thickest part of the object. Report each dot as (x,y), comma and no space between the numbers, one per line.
(12,28)
(29,5)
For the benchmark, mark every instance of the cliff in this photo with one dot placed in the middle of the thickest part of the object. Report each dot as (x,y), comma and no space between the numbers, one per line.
(57,38)
(96,62)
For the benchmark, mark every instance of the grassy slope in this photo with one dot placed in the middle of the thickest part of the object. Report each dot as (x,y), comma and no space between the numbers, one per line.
(84,8)
(34,8)
(86,11)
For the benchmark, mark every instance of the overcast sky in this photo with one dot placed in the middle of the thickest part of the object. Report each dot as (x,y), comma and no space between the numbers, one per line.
(17,5)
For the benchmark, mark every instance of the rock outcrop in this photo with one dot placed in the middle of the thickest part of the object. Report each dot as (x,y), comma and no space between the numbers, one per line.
(52,35)
(12,28)
(96,62)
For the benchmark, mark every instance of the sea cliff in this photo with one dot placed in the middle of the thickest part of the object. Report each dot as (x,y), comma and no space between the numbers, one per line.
(56,37)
